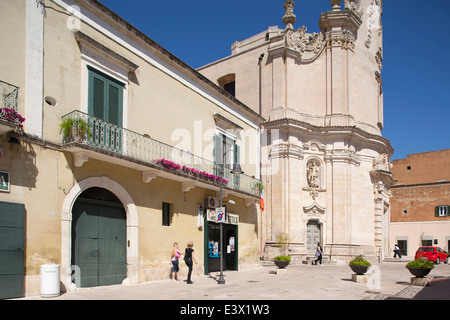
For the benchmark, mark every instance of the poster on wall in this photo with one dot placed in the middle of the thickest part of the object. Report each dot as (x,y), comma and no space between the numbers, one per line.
(4,181)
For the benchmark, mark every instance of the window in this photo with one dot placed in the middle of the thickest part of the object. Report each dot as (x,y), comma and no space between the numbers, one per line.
(166,216)
(228,83)
(230,88)
(105,97)
(105,102)
(441,211)
(226,149)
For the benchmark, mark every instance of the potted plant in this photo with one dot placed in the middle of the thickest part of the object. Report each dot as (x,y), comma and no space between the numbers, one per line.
(420,267)
(259,187)
(74,130)
(282,261)
(359,265)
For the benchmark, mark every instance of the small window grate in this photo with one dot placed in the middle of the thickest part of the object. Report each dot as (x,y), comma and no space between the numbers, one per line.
(97,193)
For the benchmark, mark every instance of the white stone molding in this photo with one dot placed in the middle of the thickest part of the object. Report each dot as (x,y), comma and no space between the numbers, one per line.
(131,221)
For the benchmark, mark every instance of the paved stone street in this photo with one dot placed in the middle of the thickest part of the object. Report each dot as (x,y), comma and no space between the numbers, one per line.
(302,282)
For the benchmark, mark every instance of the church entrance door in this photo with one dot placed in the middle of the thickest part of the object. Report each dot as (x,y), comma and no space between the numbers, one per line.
(313,236)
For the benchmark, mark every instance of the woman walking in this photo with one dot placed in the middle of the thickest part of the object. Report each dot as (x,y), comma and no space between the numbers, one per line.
(189,256)
(319,253)
(176,255)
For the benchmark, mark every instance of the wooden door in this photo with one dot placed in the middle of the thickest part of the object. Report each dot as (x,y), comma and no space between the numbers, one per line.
(12,242)
(99,242)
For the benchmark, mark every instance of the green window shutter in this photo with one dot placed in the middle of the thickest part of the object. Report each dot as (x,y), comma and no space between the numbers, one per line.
(237,153)
(436,211)
(114,105)
(218,149)
(105,98)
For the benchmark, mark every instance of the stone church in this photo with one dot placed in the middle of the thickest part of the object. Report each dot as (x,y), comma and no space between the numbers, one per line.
(325,164)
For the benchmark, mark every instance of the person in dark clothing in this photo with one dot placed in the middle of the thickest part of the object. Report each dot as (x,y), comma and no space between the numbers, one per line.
(319,253)
(189,257)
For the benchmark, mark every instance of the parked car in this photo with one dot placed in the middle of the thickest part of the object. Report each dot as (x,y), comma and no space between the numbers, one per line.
(434,254)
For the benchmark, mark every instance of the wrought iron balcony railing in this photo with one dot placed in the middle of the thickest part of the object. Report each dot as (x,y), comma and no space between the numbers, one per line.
(85,130)
(8,95)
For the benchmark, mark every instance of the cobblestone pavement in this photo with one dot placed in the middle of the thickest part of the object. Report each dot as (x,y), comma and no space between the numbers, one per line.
(386,281)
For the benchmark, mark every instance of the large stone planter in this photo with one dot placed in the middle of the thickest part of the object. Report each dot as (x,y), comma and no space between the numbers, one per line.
(359,270)
(419,272)
(281,264)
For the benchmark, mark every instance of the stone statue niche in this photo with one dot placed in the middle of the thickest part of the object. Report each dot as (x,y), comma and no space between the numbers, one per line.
(313,173)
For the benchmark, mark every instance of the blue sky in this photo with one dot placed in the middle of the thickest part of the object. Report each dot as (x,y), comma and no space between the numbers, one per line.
(416,65)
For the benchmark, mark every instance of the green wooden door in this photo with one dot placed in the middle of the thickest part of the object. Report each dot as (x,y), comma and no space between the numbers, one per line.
(12,235)
(99,242)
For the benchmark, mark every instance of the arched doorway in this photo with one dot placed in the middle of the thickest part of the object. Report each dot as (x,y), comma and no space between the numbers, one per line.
(313,235)
(99,237)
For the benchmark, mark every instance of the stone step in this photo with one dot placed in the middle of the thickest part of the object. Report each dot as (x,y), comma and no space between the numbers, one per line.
(402,259)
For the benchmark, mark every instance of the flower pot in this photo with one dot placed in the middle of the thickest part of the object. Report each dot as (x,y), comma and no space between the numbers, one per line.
(419,272)
(281,264)
(360,270)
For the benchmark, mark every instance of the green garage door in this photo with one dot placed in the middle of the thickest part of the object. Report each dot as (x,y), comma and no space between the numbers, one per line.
(12,235)
(99,242)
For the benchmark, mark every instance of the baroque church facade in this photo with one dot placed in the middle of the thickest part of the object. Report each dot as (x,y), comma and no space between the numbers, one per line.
(325,164)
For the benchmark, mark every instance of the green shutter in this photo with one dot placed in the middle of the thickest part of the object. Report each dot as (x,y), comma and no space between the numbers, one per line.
(436,211)
(12,243)
(237,153)
(218,149)
(105,98)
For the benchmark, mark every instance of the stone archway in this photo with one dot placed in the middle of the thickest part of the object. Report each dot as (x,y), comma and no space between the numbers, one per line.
(131,221)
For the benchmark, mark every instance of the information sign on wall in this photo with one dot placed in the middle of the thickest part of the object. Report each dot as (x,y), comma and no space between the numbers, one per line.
(4,181)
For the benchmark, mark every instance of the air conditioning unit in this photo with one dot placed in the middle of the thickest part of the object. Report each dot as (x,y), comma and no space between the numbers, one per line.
(212,202)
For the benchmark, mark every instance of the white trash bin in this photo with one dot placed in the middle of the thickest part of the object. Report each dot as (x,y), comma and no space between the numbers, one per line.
(50,286)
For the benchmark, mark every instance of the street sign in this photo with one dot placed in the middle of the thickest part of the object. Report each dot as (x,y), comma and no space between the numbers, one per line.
(220,215)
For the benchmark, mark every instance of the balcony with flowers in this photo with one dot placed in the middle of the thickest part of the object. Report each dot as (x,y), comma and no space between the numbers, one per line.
(89,137)
(9,116)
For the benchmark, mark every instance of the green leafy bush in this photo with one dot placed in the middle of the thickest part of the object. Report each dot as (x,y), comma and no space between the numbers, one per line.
(360,261)
(282,258)
(420,263)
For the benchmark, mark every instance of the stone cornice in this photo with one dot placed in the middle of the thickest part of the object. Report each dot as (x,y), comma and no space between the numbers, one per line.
(288,123)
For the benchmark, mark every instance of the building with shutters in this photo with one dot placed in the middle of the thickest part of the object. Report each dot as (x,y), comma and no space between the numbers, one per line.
(111,150)
(420,202)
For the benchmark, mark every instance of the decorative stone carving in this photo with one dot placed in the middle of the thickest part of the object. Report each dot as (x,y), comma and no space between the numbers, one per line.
(382,163)
(353,5)
(379,58)
(336,4)
(289,18)
(314,209)
(308,47)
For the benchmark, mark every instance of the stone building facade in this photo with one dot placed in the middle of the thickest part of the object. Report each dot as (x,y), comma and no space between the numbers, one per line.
(325,163)
(119,155)
(420,201)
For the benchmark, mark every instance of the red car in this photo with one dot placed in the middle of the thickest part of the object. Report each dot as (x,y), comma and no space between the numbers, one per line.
(434,254)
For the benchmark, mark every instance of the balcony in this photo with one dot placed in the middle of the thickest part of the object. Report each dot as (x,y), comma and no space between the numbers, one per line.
(9,117)
(88,137)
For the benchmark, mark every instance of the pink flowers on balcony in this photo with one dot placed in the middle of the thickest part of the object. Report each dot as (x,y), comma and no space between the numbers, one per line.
(11,115)
(168,164)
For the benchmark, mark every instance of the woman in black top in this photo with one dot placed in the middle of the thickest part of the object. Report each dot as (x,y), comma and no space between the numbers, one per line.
(189,256)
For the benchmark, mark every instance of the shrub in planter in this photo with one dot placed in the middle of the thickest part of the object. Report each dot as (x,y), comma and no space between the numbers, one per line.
(359,265)
(420,267)
(282,261)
